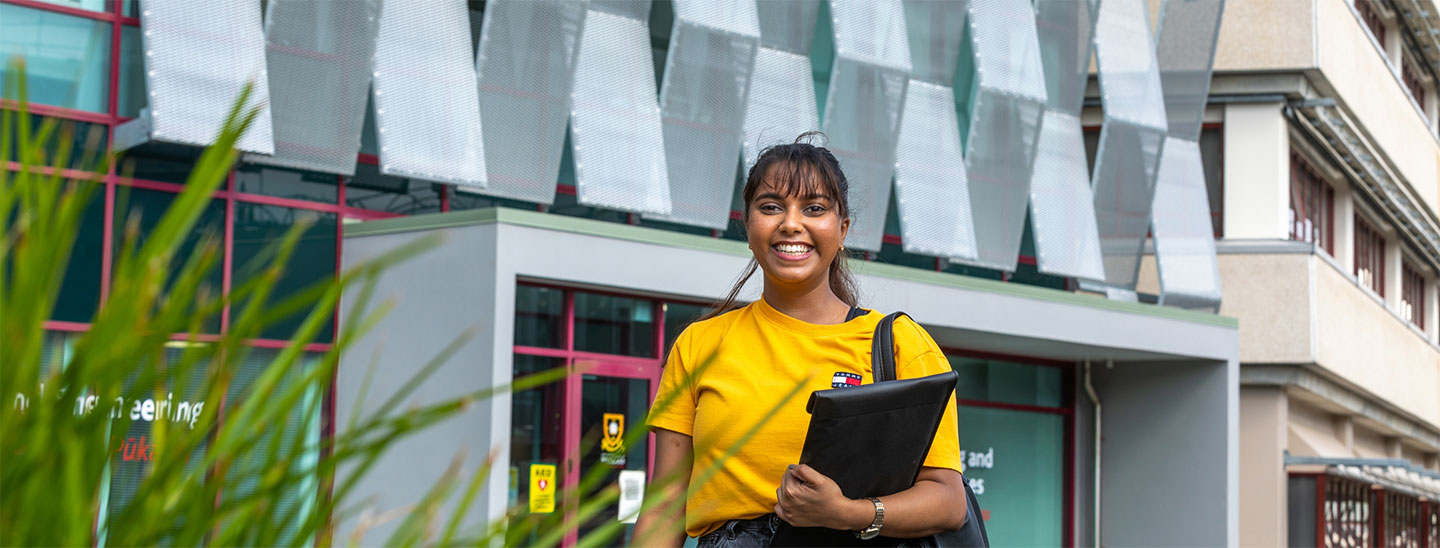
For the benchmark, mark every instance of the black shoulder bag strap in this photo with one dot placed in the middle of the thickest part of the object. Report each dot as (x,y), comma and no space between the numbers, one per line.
(882,367)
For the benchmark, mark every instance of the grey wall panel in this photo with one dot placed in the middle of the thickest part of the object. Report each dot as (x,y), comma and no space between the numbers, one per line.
(781,103)
(1185,49)
(702,105)
(526,68)
(1061,203)
(198,58)
(787,25)
(1062,214)
(1184,242)
(1131,137)
(863,105)
(615,120)
(310,46)
(930,183)
(1005,115)
(427,107)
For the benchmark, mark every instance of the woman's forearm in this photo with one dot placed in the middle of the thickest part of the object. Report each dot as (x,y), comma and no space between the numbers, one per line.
(935,504)
(663,523)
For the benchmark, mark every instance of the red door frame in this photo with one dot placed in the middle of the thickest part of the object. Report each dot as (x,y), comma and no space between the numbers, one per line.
(581,363)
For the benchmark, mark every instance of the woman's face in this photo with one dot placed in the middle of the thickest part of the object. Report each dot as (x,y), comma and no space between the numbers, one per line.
(795,237)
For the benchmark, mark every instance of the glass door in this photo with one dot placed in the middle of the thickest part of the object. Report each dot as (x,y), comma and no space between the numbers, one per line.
(614,398)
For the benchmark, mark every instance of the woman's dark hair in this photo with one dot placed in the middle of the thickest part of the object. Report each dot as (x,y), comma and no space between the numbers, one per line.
(798,168)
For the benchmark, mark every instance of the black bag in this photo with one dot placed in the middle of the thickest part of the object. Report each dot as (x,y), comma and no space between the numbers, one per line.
(971,534)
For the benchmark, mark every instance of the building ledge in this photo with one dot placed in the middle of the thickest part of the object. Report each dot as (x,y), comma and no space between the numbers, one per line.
(1339,396)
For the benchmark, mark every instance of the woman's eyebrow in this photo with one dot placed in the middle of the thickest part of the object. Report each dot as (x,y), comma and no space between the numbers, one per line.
(777,196)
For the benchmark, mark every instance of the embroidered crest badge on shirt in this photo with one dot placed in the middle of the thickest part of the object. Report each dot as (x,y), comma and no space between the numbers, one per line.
(844,380)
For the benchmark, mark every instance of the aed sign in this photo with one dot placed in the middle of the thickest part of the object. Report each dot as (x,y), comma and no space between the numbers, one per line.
(542,488)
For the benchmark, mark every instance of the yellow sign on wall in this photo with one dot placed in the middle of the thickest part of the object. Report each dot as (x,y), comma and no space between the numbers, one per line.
(542,488)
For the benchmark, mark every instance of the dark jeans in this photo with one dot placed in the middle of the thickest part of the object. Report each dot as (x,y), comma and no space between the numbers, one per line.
(738,533)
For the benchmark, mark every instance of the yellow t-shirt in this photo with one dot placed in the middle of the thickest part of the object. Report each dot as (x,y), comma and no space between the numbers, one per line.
(759,355)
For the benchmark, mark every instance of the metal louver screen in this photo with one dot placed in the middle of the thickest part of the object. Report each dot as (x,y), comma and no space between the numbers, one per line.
(781,104)
(1184,241)
(427,107)
(1131,138)
(930,184)
(199,56)
(1005,127)
(1061,211)
(865,97)
(615,126)
(787,25)
(702,106)
(320,54)
(1185,51)
(526,67)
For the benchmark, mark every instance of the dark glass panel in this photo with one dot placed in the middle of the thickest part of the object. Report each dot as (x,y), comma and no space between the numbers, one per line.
(679,315)
(539,316)
(258,226)
(145,208)
(372,190)
(1007,382)
(287,183)
(536,442)
(614,325)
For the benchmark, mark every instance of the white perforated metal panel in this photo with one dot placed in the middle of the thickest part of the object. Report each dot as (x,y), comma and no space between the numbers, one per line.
(198,58)
(320,54)
(1185,49)
(1184,243)
(1131,137)
(702,105)
(863,105)
(787,25)
(1062,213)
(427,108)
(615,119)
(526,68)
(1005,118)
(930,182)
(781,103)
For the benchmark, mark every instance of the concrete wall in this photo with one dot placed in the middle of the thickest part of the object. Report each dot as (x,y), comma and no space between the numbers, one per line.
(1368,87)
(1270,295)
(436,297)
(1266,35)
(1365,344)
(1262,466)
(1170,455)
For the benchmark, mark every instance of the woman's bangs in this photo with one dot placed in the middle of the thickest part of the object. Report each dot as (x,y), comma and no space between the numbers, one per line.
(792,177)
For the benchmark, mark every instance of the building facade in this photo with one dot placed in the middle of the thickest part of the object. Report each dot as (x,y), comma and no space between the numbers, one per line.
(587,188)
(1326,251)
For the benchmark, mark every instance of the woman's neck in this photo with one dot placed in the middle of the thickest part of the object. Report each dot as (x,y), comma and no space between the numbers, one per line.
(815,303)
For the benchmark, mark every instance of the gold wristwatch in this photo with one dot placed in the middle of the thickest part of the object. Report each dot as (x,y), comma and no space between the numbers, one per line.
(874,529)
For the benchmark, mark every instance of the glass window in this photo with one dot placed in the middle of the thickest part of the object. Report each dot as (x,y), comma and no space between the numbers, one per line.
(66,57)
(260,226)
(678,316)
(1007,382)
(1412,295)
(539,317)
(1014,462)
(462,198)
(80,136)
(372,190)
(160,162)
(614,325)
(1369,256)
(87,5)
(146,208)
(611,407)
(536,438)
(288,183)
(132,95)
(79,296)
(1212,158)
(1312,206)
(299,438)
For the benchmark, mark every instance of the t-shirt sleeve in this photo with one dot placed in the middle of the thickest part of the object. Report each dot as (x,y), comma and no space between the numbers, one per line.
(676,397)
(917,356)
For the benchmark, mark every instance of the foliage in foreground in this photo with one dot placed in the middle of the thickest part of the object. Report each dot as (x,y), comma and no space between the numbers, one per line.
(262,476)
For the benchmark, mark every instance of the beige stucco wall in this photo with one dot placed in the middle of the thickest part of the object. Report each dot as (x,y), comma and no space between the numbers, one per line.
(1365,84)
(1271,298)
(1262,466)
(1266,35)
(1362,342)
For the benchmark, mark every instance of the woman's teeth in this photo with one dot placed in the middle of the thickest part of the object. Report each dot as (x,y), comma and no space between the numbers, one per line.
(793,249)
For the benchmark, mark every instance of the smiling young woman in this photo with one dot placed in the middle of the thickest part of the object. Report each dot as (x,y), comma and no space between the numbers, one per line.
(808,329)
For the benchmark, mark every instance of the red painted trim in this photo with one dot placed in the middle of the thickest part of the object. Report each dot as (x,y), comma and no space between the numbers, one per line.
(445,198)
(228,262)
(67,10)
(570,414)
(369,159)
(1377,494)
(892,239)
(276,343)
(1026,259)
(71,327)
(1016,407)
(53,111)
(568,190)
(1067,489)
(626,361)
(66,173)
(289,202)
(107,238)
